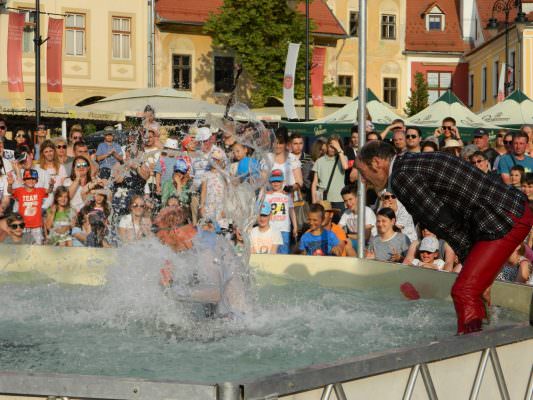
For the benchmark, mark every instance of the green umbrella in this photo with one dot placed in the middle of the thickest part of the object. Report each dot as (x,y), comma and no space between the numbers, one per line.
(516,110)
(341,121)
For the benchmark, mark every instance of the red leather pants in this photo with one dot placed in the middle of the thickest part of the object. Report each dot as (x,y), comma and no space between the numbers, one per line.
(480,268)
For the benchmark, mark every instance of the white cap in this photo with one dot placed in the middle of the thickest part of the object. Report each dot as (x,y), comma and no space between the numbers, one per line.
(452,143)
(203,134)
(171,144)
(429,243)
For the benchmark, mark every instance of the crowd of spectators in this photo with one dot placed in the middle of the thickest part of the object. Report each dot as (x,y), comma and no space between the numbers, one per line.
(58,192)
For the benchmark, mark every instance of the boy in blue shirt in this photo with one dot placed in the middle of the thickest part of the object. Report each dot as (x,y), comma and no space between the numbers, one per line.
(108,153)
(318,241)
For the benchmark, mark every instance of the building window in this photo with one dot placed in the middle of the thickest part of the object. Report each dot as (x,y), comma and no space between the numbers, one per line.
(484,84)
(224,74)
(354,23)
(345,83)
(29,31)
(390,91)
(435,22)
(121,38)
(181,72)
(388,27)
(75,34)
(438,84)
(470,90)
(495,77)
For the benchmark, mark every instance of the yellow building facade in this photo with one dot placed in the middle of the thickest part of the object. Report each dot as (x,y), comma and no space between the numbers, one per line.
(387,74)
(486,61)
(104,47)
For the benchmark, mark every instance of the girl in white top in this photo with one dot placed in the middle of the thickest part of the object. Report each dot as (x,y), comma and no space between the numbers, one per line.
(79,183)
(428,254)
(135,225)
(281,159)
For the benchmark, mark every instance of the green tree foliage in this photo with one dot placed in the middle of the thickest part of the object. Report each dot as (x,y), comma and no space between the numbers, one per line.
(419,96)
(258,32)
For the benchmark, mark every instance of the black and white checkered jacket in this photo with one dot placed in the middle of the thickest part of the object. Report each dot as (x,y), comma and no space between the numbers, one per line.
(454,199)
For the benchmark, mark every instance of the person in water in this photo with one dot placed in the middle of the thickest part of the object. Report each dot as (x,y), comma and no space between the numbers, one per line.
(482,219)
(220,285)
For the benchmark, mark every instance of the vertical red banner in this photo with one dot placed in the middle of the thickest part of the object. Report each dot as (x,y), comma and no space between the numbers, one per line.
(317,75)
(54,66)
(15,81)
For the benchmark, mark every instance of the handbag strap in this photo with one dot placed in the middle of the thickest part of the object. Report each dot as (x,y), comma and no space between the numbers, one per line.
(332,173)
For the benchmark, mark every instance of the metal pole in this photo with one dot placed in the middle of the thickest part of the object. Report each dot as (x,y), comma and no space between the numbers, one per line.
(361,189)
(506,81)
(150,44)
(37,48)
(307,60)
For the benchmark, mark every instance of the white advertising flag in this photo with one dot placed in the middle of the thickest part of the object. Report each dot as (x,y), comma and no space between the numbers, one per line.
(288,81)
(501,84)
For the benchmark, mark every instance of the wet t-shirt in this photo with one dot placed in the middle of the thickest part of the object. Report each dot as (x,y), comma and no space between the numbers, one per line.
(318,245)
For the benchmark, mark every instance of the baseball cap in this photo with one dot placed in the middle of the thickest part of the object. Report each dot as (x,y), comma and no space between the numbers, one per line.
(181,166)
(430,244)
(203,134)
(171,144)
(478,132)
(266,208)
(30,174)
(276,176)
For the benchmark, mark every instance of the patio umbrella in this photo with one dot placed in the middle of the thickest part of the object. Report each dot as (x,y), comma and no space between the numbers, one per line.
(516,110)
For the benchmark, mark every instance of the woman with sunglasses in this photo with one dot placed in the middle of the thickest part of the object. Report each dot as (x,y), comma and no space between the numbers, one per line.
(16,231)
(79,183)
(22,138)
(75,135)
(136,225)
(49,161)
(404,221)
(61,151)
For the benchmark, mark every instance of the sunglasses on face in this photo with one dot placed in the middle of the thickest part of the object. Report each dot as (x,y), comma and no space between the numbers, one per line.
(76,137)
(3,127)
(82,165)
(388,197)
(61,146)
(411,136)
(501,136)
(21,135)
(17,226)
(29,179)
(508,141)
(137,206)
(476,162)
(447,128)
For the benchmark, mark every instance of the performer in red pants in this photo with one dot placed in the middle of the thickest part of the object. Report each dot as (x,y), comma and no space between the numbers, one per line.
(483,219)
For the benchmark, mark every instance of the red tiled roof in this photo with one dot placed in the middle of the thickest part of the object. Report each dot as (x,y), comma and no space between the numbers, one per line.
(485,13)
(418,38)
(197,12)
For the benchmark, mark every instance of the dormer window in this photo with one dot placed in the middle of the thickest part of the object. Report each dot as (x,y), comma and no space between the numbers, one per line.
(435,18)
(435,22)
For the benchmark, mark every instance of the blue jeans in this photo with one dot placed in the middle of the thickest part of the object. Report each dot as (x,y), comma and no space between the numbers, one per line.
(285,247)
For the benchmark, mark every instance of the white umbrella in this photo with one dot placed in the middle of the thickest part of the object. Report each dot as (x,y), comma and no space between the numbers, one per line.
(516,110)
(167,103)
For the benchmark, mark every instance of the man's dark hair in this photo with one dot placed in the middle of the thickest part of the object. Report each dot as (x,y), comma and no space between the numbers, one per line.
(317,208)
(377,149)
(378,137)
(3,120)
(398,120)
(528,178)
(414,128)
(449,119)
(282,134)
(349,189)
(354,128)
(518,168)
(478,153)
(520,134)
(296,136)
(429,143)
(81,143)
